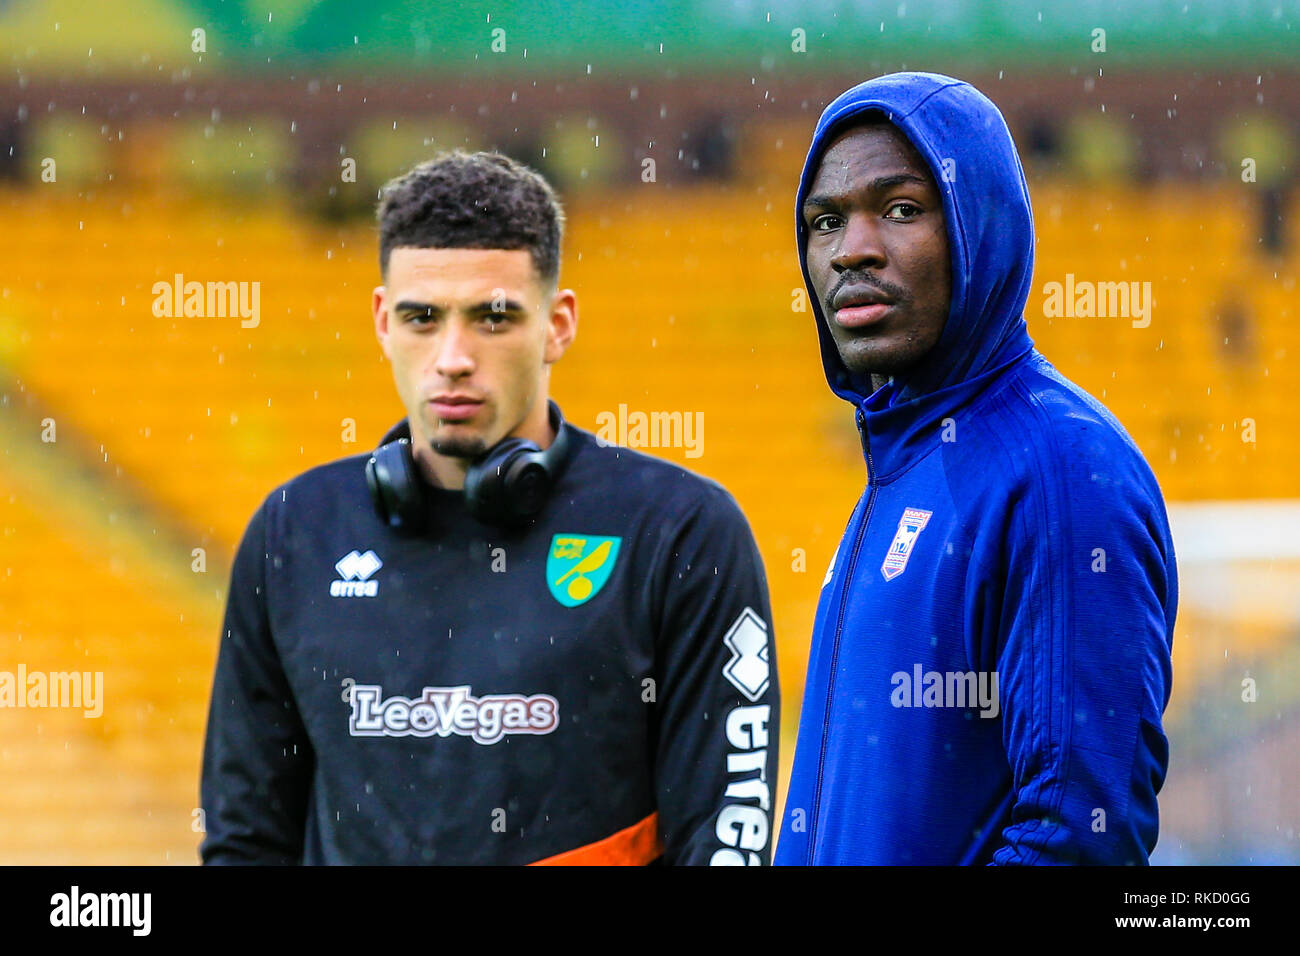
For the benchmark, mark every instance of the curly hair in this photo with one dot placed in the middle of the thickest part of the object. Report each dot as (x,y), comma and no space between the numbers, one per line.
(482,200)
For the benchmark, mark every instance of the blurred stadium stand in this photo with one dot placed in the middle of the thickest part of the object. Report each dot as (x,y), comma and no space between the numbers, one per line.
(170,431)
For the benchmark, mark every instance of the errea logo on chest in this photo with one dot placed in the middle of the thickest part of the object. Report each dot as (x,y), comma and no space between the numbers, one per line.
(355,570)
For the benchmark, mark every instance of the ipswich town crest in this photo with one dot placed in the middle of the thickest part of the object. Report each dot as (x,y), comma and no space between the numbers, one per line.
(910,526)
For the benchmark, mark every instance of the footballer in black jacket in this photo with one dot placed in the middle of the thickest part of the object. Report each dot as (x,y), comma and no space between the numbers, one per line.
(499,641)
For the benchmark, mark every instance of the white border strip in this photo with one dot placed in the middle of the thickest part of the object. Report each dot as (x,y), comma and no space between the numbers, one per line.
(1264,530)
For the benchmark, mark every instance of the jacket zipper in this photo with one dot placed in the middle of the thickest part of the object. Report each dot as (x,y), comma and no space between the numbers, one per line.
(835,647)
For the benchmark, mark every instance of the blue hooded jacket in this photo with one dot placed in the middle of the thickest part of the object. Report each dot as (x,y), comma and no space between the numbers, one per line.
(991,654)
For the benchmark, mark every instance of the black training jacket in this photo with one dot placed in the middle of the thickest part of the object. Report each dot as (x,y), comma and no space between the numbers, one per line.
(596,687)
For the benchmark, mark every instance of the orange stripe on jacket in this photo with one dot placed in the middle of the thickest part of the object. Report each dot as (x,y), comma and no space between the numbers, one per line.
(636,845)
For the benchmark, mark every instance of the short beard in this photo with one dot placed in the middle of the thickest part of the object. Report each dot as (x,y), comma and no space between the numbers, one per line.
(470,448)
(879,367)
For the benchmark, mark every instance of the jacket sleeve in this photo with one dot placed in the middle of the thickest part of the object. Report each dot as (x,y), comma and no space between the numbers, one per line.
(1084,663)
(257,761)
(716,721)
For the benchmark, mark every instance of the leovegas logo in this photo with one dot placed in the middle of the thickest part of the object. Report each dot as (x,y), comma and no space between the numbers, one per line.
(443,711)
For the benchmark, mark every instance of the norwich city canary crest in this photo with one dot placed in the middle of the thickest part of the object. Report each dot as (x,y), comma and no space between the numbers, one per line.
(578,566)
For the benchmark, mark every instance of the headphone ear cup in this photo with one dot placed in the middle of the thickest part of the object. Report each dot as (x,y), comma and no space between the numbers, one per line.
(527,485)
(394,486)
(487,482)
(513,480)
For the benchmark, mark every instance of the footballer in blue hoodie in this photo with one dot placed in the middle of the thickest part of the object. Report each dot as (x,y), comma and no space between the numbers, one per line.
(991,655)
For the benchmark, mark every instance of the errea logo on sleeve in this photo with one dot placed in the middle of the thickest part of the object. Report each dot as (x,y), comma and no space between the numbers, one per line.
(743,825)
(354,570)
(749,669)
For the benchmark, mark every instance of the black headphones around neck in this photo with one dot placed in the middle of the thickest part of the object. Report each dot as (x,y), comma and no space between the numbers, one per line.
(510,483)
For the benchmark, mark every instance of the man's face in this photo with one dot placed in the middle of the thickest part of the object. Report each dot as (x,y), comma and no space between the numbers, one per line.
(471,334)
(878,250)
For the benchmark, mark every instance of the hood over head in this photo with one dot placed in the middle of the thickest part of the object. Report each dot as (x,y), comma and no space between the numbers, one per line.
(965,142)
